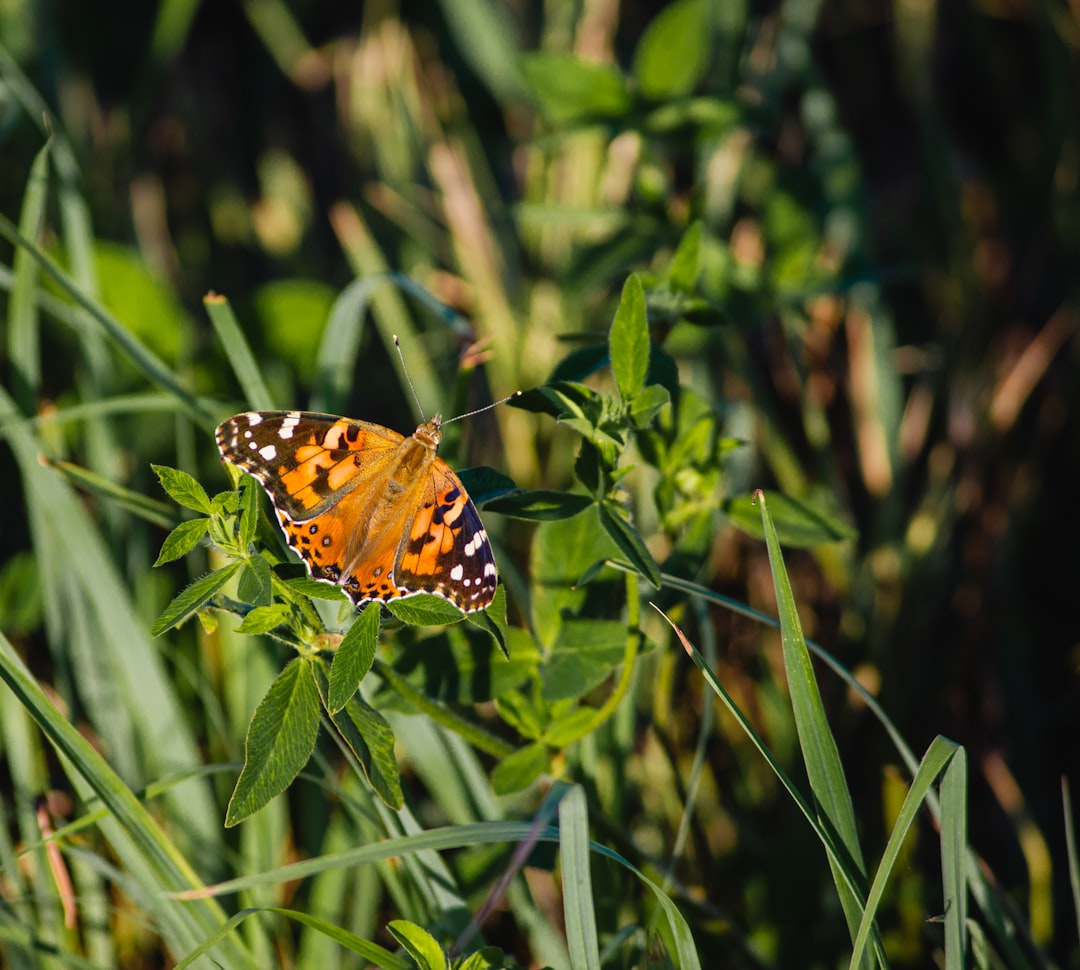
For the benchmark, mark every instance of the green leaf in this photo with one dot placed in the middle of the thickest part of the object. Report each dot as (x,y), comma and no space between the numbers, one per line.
(521,769)
(486,484)
(182,540)
(682,271)
(565,730)
(263,619)
(561,552)
(565,399)
(316,589)
(527,713)
(354,657)
(798,525)
(425,609)
(615,523)
(581,363)
(419,944)
(954,847)
(673,53)
(280,739)
(187,602)
(488,958)
(250,490)
(646,405)
(492,619)
(568,88)
(371,739)
(629,340)
(584,656)
(255,586)
(183,489)
(23,313)
(541,505)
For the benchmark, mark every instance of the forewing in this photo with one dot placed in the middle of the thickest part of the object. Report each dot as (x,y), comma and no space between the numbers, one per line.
(307,462)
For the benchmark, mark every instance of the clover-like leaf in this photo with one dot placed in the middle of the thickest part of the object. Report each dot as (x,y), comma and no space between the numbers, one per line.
(185,537)
(183,489)
(280,739)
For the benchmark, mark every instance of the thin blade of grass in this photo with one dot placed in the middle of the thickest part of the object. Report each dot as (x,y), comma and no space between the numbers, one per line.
(335,363)
(238,351)
(579,907)
(24,340)
(954,838)
(820,754)
(937,758)
(127,404)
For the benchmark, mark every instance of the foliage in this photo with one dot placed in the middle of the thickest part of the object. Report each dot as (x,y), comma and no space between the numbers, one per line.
(671,234)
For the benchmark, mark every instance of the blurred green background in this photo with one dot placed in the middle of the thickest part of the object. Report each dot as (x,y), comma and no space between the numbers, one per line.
(885,318)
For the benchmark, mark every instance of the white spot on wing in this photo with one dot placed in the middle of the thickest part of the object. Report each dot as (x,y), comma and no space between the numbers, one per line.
(254,418)
(268,452)
(457,572)
(288,426)
(475,543)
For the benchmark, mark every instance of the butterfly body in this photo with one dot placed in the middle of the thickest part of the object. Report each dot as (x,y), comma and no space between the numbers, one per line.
(377,513)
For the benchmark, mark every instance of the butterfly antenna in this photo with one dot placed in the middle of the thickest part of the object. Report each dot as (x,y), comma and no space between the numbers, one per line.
(486,407)
(405,369)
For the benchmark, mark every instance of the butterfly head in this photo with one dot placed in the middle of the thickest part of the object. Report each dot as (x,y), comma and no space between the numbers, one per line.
(430,432)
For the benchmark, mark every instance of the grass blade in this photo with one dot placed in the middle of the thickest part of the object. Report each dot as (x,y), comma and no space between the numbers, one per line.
(954,838)
(937,759)
(579,907)
(238,351)
(820,754)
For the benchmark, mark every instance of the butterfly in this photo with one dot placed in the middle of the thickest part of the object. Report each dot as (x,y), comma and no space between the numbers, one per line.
(379,514)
